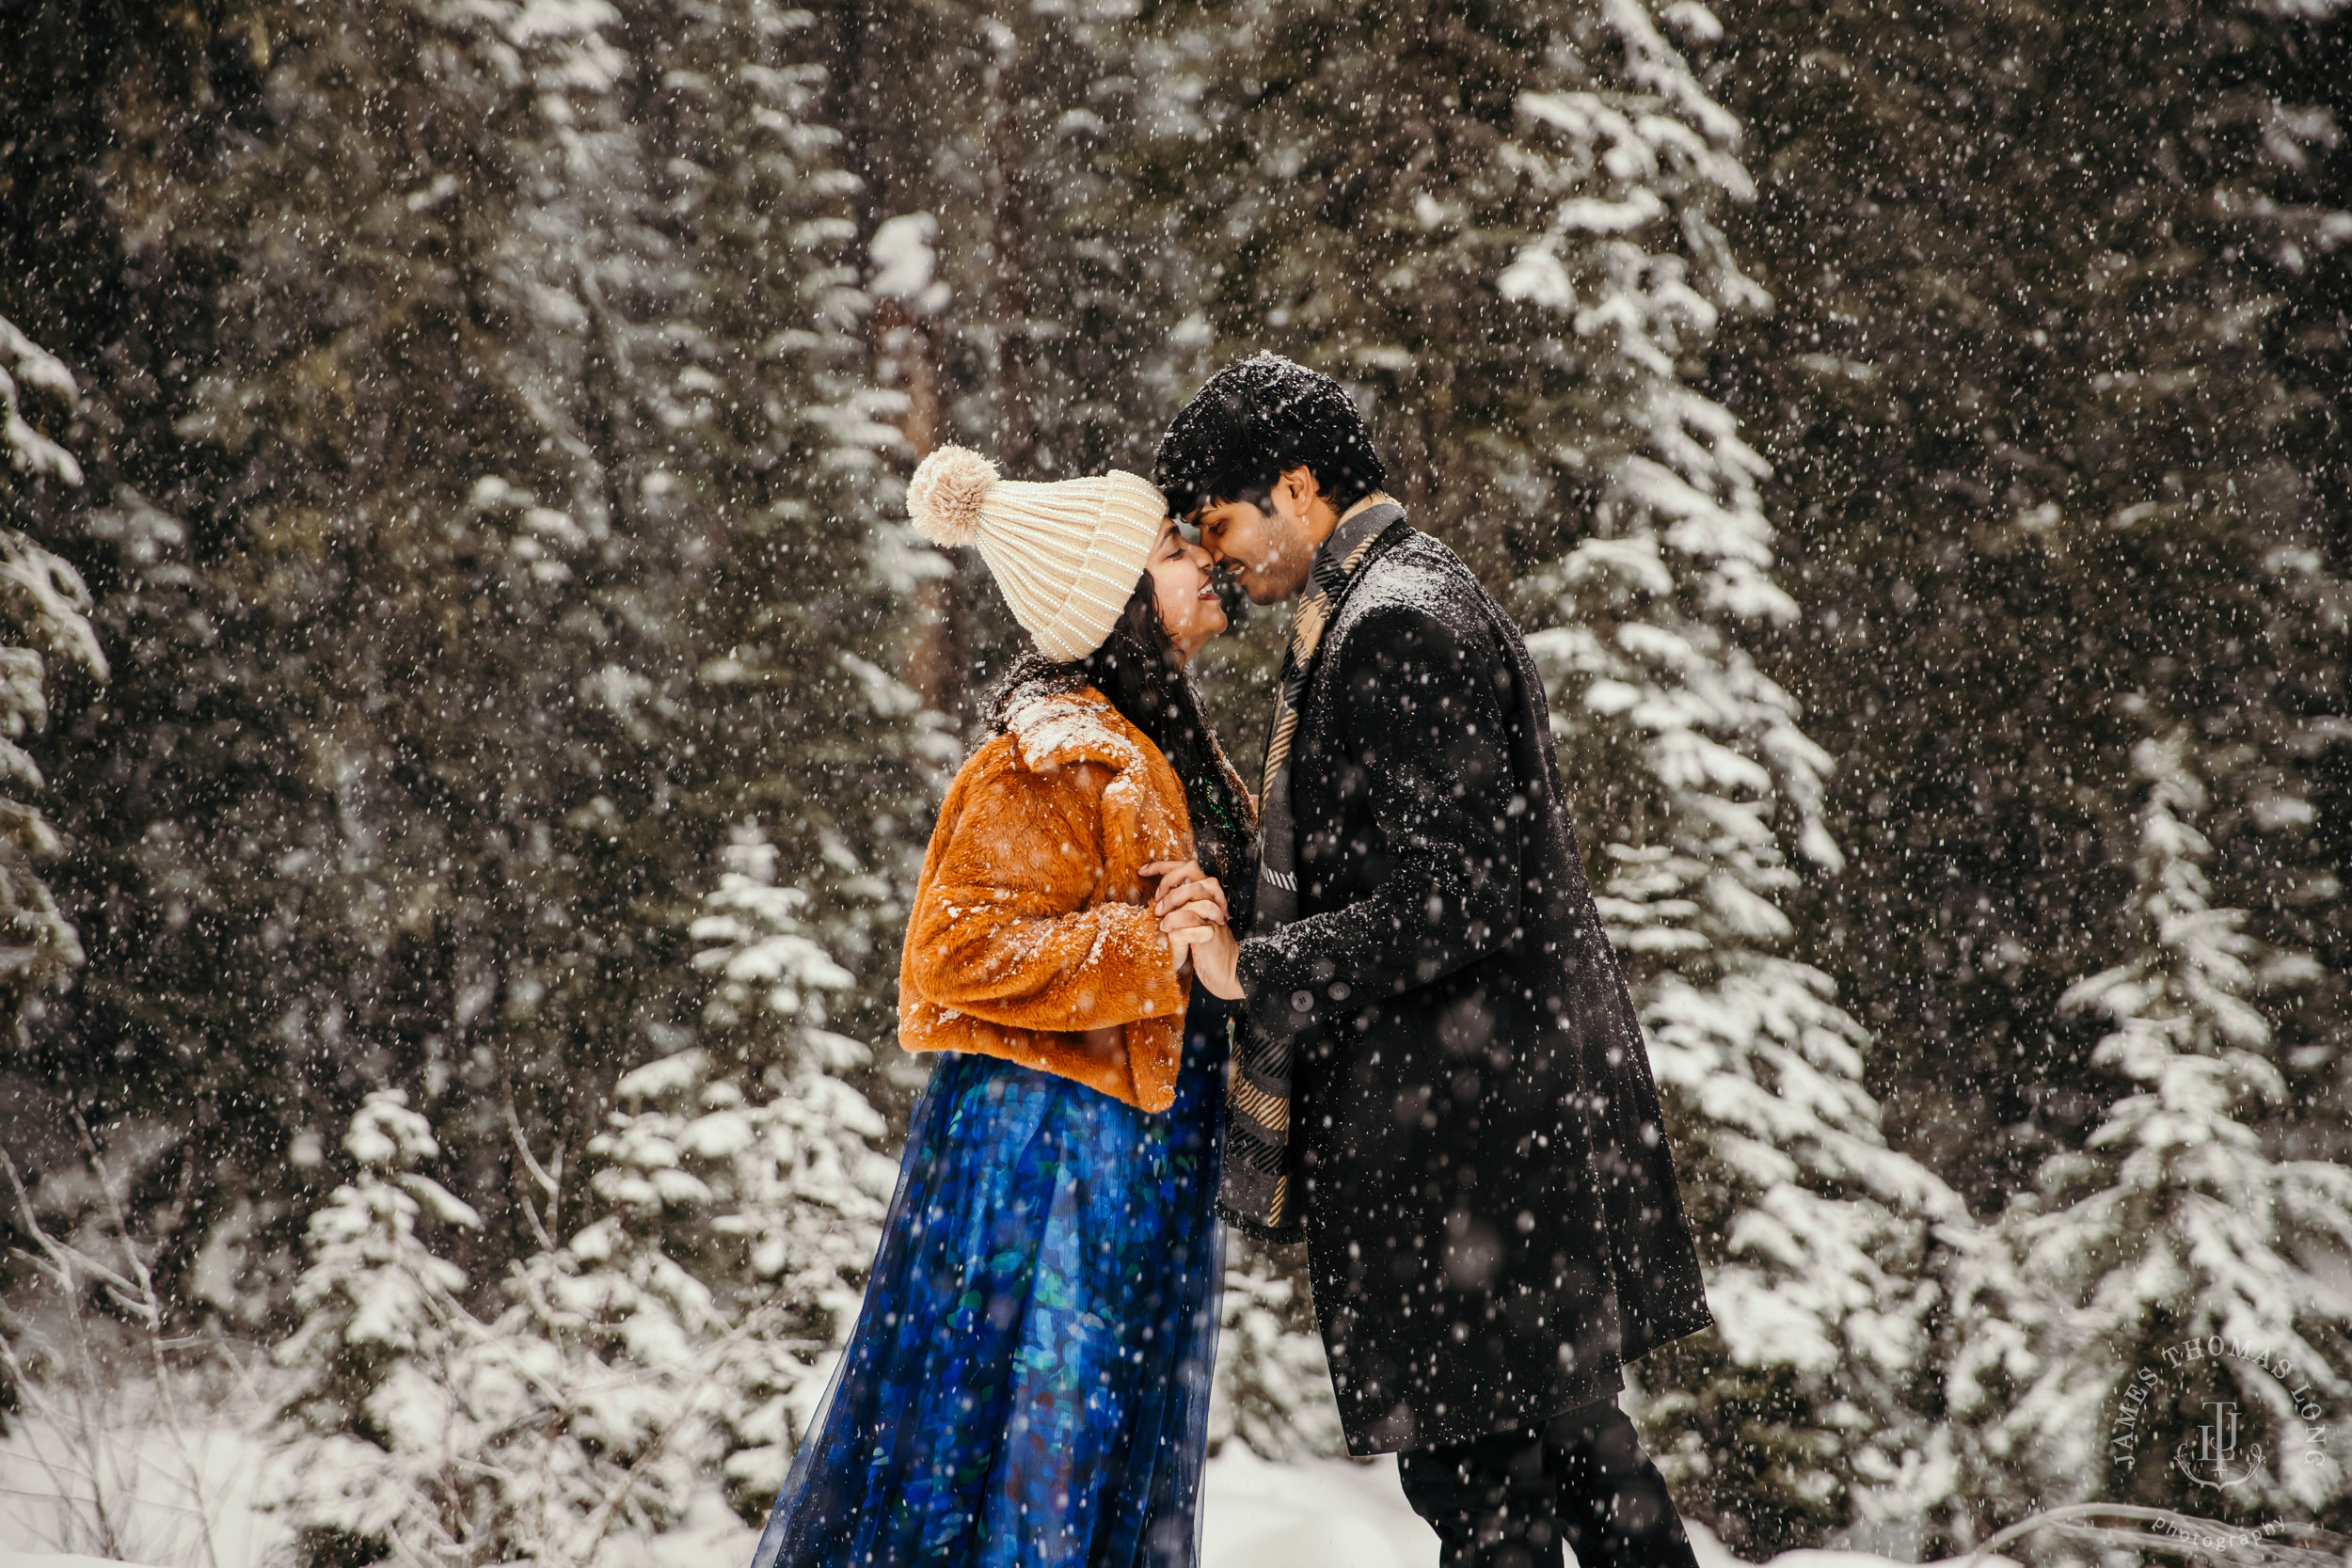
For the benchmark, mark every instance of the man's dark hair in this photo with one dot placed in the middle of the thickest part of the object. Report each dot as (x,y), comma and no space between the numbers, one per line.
(1254,421)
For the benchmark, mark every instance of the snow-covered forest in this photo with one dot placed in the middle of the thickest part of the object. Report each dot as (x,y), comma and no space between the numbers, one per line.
(472,704)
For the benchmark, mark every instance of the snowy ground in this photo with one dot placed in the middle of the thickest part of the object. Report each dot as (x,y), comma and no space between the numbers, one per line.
(167,1494)
(1323,1513)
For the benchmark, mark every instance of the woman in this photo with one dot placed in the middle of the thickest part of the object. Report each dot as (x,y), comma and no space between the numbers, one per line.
(1028,1380)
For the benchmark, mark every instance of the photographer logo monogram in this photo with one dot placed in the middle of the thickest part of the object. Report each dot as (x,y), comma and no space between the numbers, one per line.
(2216,1451)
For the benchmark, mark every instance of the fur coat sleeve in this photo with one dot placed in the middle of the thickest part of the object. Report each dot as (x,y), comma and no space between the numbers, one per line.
(1030,921)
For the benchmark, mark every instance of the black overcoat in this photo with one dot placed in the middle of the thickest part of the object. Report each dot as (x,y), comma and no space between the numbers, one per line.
(1492,1223)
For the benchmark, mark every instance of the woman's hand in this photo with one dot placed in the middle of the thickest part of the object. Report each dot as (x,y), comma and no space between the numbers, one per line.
(1194,914)
(1183,882)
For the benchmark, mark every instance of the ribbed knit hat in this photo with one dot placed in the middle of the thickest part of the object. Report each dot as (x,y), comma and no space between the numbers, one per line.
(1066,553)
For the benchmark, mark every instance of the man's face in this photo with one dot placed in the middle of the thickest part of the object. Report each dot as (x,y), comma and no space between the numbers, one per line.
(1266,547)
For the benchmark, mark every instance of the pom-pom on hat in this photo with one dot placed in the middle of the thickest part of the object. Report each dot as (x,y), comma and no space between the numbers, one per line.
(1066,553)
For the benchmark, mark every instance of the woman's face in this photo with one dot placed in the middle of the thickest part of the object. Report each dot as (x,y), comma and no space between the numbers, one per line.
(1180,586)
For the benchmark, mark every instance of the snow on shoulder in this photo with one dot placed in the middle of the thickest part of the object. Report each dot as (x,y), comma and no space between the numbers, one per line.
(1412,578)
(1054,729)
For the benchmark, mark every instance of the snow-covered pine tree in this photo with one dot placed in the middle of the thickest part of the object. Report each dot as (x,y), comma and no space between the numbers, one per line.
(685,1329)
(403,458)
(1054,333)
(1047,320)
(547,430)
(44,626)
(1795,1417)
(800,566)
(494,371)
(2046,391)
(2174,1223)
(2054,397)
(741,1187)
(1507,231)
(422,1432)
(377,1438)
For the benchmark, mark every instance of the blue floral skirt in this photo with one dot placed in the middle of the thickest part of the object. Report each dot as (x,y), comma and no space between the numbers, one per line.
(1027,1385)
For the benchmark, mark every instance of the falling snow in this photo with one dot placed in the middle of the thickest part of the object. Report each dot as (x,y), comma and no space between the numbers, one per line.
(472,709)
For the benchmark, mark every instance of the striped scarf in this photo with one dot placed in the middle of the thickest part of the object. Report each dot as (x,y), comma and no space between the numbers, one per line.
(1255,1193)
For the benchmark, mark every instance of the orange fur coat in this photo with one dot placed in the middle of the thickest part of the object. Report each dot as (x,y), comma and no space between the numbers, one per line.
(1032,920)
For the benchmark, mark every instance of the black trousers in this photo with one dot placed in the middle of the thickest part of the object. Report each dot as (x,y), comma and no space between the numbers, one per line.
(1514,1499)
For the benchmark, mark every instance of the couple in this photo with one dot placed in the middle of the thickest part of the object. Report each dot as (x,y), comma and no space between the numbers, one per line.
(1372,1007)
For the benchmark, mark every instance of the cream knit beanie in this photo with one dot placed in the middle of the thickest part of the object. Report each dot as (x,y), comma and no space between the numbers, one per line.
(1067,554)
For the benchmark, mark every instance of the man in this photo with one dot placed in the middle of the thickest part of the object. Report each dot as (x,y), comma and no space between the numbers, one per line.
(1447,1094)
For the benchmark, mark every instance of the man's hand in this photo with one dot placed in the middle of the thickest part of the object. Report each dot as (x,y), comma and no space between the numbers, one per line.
(1193,914)
(1216,958)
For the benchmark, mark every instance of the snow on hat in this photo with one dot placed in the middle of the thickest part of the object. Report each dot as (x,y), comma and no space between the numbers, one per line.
(1066,553)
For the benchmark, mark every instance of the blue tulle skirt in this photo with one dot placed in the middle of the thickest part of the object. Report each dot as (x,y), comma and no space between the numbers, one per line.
(1027,1385)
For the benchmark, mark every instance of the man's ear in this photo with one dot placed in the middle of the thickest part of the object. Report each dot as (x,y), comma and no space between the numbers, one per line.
(1299,485)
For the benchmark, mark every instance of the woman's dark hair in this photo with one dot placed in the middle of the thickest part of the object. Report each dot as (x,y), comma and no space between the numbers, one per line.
(1136,668)
(1254,421)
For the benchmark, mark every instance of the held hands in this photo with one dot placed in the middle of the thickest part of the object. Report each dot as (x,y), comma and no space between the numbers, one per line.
(1194,917)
